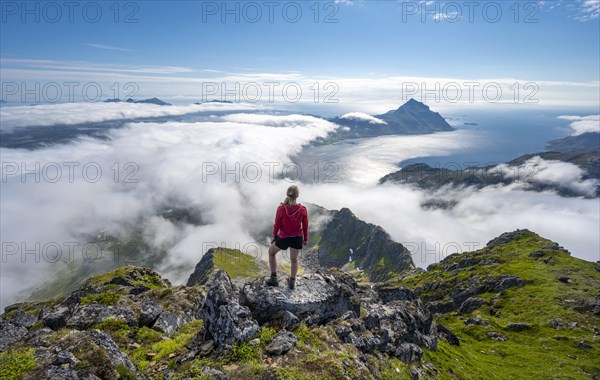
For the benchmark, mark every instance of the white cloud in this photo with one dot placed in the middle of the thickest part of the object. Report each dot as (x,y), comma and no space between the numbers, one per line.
(589,10)
(583,124)
(559,173)
(362,116)
(175,161)
(108,47)
(78,113)
(372,94)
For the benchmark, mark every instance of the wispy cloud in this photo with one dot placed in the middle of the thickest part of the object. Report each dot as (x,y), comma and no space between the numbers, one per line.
(108,47)
(588,10)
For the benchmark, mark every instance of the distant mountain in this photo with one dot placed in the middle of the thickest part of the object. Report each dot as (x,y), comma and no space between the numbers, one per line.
(582,150)
(145,101)
(369,247)
(426,177)
(413,117)
(215,101)
(589,140)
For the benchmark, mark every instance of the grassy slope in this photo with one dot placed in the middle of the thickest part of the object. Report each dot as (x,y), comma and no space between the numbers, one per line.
(542,351)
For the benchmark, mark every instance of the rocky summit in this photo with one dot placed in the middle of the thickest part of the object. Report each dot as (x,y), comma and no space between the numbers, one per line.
(520,307)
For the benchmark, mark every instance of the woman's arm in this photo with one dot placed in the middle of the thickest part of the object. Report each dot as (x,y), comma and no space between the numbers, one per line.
(305,226)
(277,223)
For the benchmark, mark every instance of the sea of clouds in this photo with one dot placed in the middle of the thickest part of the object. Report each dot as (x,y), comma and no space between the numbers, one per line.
(233,171)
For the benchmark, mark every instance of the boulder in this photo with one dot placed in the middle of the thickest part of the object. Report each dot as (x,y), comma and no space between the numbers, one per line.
(499,337)
(225,320)
(169,322)
(149,313)
(396,293)
(470,304)
(56,316)
(10,333)
(282,343)
(85,316)
(319,298)
(213,374)
(518,326)
(409,353)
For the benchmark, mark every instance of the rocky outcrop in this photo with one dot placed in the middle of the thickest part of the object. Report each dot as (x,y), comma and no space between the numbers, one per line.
(318,298)
(226,322)
(203,270)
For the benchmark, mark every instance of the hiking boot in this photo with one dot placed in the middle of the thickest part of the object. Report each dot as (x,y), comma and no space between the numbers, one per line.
(291,283)
(272,281)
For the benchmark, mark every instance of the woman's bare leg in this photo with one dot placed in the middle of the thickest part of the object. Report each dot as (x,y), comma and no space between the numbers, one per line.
(273,249)
(294,261)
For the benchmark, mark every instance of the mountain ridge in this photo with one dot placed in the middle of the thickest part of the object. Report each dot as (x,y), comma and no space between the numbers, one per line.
(521,306)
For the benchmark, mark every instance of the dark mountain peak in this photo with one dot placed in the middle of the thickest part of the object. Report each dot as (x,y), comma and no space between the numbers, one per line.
(345,213)
(156,101)
(413,104)
(369,247)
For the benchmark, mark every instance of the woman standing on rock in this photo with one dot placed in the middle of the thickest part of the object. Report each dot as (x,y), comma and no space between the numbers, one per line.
(289,231)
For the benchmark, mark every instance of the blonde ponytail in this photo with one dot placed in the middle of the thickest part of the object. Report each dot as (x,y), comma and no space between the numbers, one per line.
(292,194)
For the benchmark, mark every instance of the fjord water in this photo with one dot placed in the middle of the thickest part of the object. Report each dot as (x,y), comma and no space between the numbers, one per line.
(482,138)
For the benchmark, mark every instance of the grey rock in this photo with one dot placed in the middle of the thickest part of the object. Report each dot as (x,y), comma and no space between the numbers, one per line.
(56,316)
(206,347)
(215,374)
(149,313)
(282,343)
(19,317)
(564,279)
(10,333)
(397,293)
(225,320)
(556,324)
(584,345)
(450,337)
(440,307)
(508,282)
(85,316)
(203,270)
(289,321)
(506,237)
(518,326)
(477,320)
(55,372)
(496,336)
(169,322)
(409,353)
(470,304)
(117,358)
(66,357)
(323,296)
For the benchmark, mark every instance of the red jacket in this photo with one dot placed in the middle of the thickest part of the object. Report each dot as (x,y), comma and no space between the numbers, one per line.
(290,221)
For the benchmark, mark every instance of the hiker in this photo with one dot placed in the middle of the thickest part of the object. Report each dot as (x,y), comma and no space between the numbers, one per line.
(289,231)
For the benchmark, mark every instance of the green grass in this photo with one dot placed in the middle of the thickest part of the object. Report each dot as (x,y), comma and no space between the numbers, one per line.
(236,263)
(15,363)
(159,350)
(104,298)
(534,353)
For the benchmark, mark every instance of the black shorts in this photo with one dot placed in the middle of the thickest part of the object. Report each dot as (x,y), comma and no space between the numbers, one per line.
(285,243)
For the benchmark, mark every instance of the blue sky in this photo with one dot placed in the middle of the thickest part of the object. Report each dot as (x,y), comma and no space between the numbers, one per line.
(555,41)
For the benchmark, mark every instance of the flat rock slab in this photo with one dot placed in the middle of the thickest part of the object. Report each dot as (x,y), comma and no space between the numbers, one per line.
(317,298)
